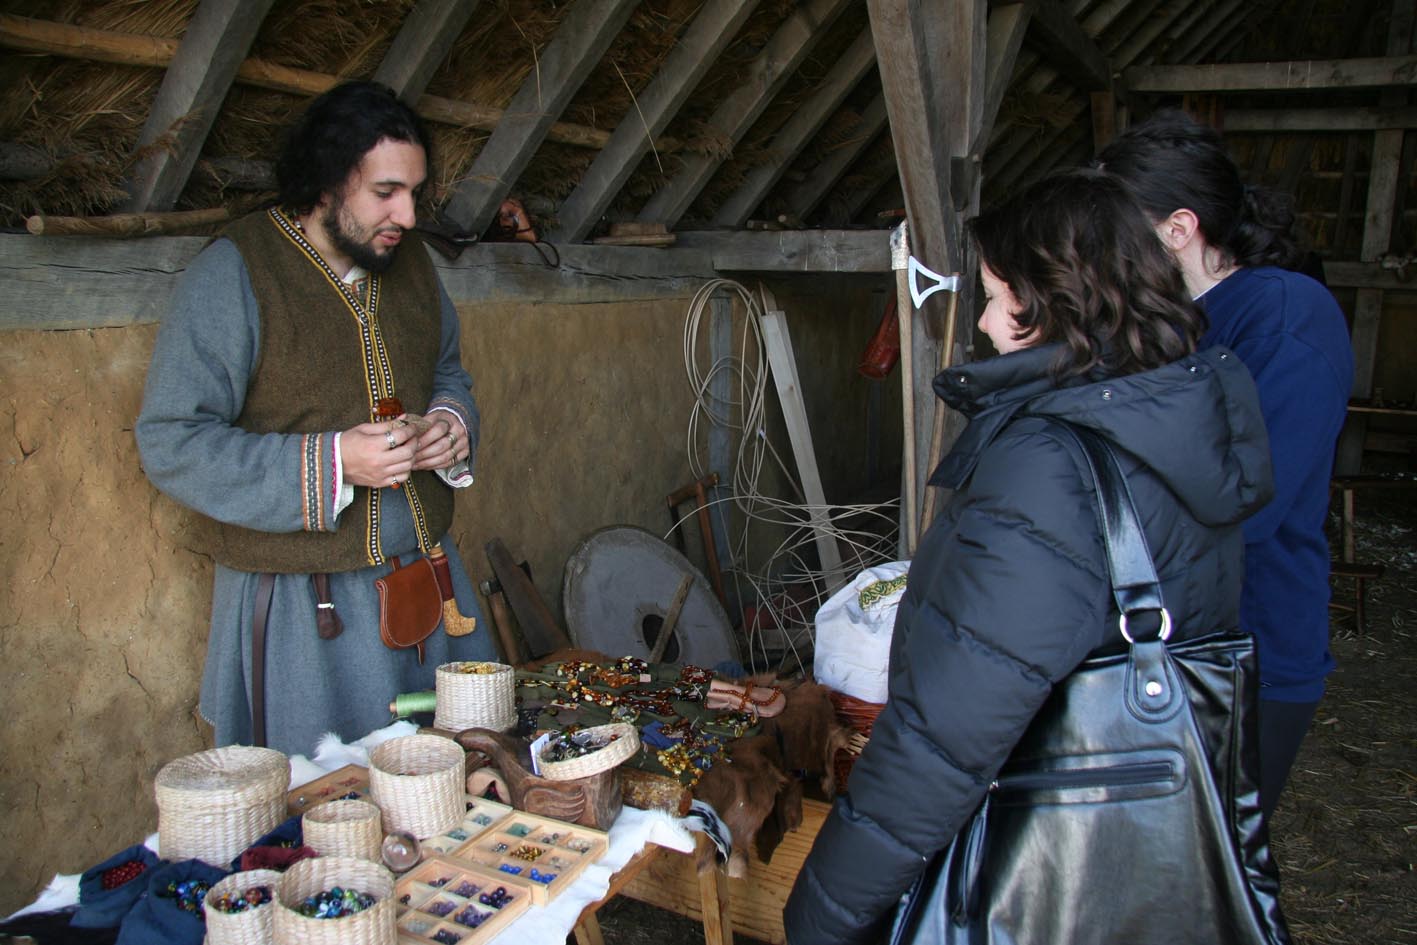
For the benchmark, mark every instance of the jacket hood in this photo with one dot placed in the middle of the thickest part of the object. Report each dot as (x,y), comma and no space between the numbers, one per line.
(1196,422)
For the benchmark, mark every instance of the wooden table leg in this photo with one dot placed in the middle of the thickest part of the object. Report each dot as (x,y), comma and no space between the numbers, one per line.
(1349,541)
(713,899)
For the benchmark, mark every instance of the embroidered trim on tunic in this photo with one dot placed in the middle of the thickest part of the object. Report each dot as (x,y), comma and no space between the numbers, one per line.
(379,379)
(312,497)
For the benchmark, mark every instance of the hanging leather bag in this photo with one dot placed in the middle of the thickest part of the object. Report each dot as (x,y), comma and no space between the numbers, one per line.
(410,605)
(1129,811)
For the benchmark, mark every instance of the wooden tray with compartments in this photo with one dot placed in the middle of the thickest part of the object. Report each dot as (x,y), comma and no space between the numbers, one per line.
(546,854)
(447,902)
(342,782)
(482,815)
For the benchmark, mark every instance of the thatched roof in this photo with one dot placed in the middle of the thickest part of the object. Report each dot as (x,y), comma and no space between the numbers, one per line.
(82,77)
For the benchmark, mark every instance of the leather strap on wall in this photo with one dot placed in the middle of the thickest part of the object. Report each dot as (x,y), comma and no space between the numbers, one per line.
(265,588)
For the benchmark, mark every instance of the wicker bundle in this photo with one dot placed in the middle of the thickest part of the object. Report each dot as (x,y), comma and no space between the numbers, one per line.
(475,695)
(251,927)
(618,742)
(859,715)
(418,782)
(214,804)
(373,926)
(344,828)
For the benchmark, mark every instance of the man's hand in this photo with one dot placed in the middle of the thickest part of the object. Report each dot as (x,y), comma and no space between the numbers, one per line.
(379,454)
(442,443)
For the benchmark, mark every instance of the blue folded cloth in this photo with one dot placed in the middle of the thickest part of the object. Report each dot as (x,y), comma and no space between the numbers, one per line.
(127,873)
(166,911)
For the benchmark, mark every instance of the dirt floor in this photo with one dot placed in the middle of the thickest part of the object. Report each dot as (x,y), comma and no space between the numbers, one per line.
(1345,833)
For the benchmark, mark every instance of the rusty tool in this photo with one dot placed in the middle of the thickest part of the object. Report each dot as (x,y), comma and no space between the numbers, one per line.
(699,492)
(542,633)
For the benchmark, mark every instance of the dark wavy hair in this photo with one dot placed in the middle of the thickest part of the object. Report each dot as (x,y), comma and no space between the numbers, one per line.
(1089,272)
(1173,162)
(327,143)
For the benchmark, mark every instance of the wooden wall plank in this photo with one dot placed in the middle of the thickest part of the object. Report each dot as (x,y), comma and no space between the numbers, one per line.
(785,251)
(781,57)
(1282,121)
(712,30)
(579,43)
(798,130)
(423,42)
(216,41)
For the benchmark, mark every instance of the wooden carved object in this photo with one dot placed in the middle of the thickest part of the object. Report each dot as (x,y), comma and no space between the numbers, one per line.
(590,802)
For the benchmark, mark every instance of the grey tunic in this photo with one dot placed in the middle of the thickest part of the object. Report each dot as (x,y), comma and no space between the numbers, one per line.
(206,351)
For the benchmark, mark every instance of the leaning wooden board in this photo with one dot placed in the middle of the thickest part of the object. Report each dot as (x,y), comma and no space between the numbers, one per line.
(755,903)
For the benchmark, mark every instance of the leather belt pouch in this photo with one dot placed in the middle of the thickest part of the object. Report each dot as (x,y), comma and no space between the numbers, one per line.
(410,605)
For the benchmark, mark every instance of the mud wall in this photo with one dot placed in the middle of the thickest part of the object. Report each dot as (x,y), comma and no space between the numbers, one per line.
(104,614)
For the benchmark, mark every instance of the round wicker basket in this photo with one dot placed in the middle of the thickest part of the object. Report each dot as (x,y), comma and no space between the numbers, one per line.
(373,926)
(619,742)
(475,695)
(417,781)
(344,828)
(214,804)
(252,927)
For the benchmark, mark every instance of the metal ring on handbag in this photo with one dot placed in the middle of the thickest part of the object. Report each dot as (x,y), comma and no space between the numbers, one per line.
(1165,633)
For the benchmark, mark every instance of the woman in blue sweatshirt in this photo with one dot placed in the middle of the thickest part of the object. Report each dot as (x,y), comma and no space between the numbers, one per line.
(1235,247)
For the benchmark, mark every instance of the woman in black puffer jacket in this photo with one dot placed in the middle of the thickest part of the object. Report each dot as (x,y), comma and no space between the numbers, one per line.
(1009,590)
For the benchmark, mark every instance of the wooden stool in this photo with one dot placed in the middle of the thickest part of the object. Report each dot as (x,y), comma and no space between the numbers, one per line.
(1361,575)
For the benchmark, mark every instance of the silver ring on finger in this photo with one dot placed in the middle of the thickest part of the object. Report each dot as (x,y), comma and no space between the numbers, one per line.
(389,435)
(452,442)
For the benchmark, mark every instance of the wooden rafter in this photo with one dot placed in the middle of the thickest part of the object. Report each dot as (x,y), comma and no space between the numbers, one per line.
(1008,23)
(1311,75)
(798,130)
(804,197)
(1067,46)
(130,49)
(712,30)
(1221,22)
(423,42)
(780,57)
(216,41)
(580,41)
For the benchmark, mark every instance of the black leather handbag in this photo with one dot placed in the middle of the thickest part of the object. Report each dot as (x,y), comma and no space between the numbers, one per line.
(1129,812)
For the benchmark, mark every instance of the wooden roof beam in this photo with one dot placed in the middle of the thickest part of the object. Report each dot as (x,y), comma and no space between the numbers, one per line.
(216,40)
(804,197)
(1305,75)
(423,42)
(765,77)
(1063,42)
(712,30)
(132,49)
(1008,23)
(580,41)
(793,136)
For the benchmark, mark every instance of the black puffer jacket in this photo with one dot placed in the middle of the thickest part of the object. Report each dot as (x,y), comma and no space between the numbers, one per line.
(1008,592)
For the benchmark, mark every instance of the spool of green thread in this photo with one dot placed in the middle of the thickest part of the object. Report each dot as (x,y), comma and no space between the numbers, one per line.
(408,703)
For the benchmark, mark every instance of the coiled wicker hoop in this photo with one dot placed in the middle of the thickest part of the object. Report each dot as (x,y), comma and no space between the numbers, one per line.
(373,926)
(418,781)
(214,804)
(252,927)
(344,828)
(626,741)
(475,695)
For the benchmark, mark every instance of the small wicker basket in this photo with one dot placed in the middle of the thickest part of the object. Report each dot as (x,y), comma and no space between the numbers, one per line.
(214,804)
(475,695)
(619,742)
(374,926)
(252,927)
(418,782)
(344,828)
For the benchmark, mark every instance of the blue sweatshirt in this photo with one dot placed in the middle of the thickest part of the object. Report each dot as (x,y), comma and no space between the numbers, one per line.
(1291,334)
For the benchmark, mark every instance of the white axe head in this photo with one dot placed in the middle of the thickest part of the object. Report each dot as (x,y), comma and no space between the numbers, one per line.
(916,268)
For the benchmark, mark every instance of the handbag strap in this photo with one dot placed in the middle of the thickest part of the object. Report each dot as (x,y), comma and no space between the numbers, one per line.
(1135,585)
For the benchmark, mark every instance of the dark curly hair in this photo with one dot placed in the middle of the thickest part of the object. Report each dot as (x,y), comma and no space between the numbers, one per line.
(1089,272)
(327,142)
(1173,162)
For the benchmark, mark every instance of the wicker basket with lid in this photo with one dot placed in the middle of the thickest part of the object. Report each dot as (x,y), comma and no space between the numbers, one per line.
(214,804)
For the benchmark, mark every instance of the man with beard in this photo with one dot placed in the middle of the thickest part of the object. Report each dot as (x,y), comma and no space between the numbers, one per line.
(307,397)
